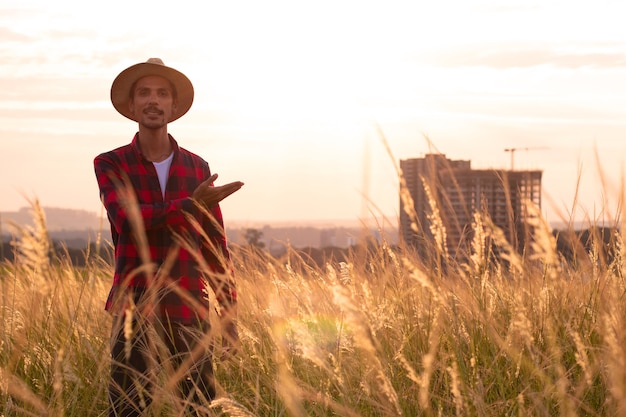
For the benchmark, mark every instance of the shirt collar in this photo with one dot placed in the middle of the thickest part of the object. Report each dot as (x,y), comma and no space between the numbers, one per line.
(137,149)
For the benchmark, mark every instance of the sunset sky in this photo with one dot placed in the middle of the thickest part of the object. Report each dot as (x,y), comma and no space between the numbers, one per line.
(289,95)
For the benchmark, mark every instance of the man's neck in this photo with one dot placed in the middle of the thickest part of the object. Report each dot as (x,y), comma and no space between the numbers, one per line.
(155,143)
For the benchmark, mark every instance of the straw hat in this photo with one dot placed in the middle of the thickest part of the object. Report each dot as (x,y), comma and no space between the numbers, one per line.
(121,94)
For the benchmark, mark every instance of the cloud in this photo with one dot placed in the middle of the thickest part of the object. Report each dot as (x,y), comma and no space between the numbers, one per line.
(52,89)
(8,36)
(524,55)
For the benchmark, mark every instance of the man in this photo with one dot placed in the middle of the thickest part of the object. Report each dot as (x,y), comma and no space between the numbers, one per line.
(170,247)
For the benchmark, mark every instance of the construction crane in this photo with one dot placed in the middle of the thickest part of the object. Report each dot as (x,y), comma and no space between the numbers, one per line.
(512,150)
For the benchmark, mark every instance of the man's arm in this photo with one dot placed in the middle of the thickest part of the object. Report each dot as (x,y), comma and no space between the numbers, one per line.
(123,208)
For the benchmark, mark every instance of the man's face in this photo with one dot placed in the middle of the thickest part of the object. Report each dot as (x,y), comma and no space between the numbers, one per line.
(153,102)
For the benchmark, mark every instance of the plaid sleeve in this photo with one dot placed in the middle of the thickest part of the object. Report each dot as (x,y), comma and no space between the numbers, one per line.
(123,200)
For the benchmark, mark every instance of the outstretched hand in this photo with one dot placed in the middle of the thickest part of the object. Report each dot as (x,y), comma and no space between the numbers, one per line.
(209,195)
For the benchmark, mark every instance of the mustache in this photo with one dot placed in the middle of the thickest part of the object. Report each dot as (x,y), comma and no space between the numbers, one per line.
(152,109)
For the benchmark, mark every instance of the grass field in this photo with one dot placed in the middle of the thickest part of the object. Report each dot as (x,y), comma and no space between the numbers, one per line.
(379,333)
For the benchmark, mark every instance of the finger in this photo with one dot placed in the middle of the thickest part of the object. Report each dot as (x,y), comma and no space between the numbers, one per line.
(234,186)
(229,190)
(211,179)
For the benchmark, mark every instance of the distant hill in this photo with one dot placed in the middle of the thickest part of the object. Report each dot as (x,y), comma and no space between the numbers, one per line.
(57,219)
(276,238)
(77,227)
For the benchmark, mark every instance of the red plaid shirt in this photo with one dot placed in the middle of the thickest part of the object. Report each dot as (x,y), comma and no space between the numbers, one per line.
(173,226)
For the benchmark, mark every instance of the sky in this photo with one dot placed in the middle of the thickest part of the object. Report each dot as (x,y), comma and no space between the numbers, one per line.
(313,104)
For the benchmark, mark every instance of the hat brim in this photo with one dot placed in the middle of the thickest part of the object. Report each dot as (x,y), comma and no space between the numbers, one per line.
(120,89)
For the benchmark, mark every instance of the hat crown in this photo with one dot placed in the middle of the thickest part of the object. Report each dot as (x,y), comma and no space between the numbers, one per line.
(157,61)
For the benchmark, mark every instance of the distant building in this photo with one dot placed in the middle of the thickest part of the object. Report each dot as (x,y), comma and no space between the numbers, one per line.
(459,192)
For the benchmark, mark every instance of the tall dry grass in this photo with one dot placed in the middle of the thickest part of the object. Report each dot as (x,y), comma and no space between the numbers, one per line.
(379,333)
(53,333)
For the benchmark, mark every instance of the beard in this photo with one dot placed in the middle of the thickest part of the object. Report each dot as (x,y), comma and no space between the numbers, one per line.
(152,123)
(153,118)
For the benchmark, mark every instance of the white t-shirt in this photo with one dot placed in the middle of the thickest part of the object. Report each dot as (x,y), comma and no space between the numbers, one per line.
(163,170)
